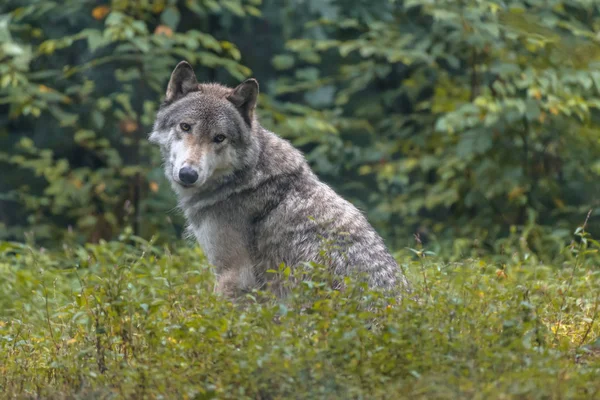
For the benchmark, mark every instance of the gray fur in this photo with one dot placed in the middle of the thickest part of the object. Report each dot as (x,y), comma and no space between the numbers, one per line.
(257,203)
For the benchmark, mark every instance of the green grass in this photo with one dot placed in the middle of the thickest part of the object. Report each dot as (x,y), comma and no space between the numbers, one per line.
(126,319)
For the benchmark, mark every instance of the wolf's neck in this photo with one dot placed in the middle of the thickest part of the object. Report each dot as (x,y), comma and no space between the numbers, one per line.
(276,156)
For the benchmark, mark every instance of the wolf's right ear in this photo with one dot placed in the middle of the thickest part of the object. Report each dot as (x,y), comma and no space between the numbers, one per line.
(183,81)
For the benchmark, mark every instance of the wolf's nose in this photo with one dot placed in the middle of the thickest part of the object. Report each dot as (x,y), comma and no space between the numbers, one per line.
(187,175)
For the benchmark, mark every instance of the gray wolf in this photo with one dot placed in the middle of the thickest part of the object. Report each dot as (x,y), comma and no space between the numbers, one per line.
(250,198)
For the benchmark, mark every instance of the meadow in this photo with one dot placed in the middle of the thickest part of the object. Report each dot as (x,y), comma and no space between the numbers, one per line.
(129,319)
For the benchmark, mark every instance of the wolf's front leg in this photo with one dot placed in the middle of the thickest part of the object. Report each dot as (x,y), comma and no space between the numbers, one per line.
(232,282)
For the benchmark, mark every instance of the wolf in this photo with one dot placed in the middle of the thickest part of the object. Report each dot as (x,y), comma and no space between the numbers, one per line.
(250,198)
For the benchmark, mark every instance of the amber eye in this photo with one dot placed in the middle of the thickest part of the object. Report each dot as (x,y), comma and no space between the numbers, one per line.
(219,138)
(185,127)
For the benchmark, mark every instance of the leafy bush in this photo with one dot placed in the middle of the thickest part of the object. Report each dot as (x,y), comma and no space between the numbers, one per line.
(81,84)
(473,124)
(457,119)
(462,121)
(128,318)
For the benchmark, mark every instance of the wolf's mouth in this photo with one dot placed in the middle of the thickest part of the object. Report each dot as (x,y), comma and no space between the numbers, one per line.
(184,185)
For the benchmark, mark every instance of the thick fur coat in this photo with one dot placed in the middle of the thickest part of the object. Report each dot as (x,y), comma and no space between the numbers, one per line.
(250,198)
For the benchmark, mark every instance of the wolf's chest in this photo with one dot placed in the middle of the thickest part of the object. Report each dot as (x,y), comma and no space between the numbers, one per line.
(225,242)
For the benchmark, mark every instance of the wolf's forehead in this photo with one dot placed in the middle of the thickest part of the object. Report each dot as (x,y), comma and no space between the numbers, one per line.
(195,108)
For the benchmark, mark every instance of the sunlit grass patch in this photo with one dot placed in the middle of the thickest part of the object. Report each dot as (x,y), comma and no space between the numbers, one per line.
(128,319)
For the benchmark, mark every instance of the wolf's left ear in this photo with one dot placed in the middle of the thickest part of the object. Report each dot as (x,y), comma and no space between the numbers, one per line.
(244,97)
(183,81)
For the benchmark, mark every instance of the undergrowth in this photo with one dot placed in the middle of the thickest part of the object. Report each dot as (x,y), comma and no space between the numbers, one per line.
(127,319)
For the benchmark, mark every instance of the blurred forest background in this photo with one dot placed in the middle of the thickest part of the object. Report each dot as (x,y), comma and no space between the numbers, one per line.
(473,124)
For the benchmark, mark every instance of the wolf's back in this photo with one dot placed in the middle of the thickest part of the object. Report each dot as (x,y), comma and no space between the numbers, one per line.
(305,220)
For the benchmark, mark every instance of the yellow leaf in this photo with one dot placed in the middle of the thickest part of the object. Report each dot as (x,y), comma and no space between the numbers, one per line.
(364,169)
(100,188)
(128,126)
(154,186)
(558,202)
(517,191)
(535,93)
(542,117)
(100,12)
(158,7)
(163,30)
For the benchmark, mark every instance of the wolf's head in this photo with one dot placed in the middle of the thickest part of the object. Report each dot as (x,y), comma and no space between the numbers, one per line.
(205,131)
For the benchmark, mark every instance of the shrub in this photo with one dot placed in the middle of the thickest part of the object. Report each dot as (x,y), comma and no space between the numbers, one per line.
(128,319)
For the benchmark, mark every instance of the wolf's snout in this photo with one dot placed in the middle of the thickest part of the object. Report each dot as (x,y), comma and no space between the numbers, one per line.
(188,176)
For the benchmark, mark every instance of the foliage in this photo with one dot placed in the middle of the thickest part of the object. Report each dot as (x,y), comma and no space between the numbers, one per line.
(457,119)
(472,123)
(129,318)
(81,83)
(468,122)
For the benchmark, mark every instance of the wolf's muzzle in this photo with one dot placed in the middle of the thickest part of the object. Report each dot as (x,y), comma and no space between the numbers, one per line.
(188,176)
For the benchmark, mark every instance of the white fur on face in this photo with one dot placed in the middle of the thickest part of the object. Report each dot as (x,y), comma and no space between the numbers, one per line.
(179,155)
(207,163)
(159,137)
(213,165)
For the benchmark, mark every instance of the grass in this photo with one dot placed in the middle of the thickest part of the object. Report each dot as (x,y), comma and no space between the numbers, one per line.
(127,319)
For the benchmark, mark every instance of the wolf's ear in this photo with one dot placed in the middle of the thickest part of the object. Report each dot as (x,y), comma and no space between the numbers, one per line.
(183,81)
(244,97)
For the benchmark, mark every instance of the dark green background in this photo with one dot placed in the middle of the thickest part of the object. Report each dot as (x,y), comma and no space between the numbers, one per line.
(471,124)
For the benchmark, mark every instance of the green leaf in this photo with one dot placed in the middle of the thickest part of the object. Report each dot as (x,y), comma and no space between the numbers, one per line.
(95,39)
(171,17)
(283,61)
(84,135)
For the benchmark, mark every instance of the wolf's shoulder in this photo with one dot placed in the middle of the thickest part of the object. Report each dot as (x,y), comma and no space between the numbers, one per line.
(278,155)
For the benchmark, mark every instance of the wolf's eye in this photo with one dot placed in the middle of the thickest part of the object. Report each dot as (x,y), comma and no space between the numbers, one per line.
(219,138)
(185,127)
